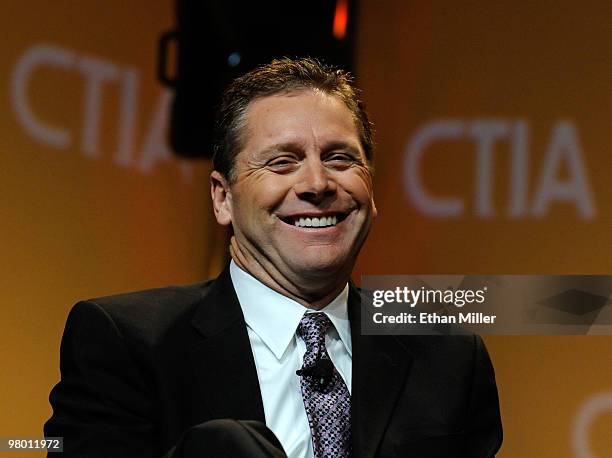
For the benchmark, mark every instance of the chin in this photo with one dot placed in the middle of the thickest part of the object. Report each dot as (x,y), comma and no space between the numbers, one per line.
(320,267)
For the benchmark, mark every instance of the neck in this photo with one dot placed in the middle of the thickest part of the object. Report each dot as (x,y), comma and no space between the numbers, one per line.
(313,292)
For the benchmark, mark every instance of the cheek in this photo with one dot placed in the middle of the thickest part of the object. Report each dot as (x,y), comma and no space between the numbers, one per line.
(359,185)
(273,189)
(260,198)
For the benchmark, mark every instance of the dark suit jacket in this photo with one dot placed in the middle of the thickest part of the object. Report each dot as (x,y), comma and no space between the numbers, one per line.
(139,369)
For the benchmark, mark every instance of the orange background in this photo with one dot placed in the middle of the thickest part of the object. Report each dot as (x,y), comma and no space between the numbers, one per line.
(78,221)
(535,62)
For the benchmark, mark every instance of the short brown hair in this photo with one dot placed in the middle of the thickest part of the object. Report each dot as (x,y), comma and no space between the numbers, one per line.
(279,76)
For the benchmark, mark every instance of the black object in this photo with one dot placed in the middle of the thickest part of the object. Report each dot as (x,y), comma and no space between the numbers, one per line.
(228,438)
(218,40)
(321,372)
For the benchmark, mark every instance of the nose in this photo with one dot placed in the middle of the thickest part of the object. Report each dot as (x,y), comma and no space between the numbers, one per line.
(315,182)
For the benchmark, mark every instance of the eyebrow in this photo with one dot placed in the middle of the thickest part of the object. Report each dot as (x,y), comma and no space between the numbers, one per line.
(292,147)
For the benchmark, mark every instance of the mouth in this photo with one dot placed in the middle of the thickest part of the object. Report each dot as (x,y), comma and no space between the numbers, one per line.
(315,221)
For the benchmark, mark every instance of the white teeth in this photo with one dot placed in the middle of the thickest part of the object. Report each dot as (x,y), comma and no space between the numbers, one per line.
(324,221)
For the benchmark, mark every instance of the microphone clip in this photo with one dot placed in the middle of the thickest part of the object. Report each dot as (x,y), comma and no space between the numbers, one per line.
(320,373)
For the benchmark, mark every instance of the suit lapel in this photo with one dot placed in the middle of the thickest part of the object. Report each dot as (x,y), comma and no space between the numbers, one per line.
(225,372)
(380,368)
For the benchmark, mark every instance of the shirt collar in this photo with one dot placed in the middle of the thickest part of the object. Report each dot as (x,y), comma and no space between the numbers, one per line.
(275,318)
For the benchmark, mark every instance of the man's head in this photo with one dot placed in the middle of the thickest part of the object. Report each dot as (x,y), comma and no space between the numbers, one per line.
(281,76)
(293,177)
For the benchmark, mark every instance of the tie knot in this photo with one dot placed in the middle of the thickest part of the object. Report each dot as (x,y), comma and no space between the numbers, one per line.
(312,329)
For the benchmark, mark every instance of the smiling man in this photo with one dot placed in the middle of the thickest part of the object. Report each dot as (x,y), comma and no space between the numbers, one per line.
(299,195)
(268,360)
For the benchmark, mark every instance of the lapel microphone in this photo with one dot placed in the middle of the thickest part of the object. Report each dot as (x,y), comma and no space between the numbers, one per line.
(321,372)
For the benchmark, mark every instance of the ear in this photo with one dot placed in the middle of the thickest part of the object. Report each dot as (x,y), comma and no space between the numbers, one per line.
(221,198)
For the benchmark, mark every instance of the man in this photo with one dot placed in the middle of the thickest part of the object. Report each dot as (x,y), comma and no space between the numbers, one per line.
(275,339)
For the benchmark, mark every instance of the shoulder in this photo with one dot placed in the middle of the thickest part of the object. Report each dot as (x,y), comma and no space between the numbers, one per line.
(449,344)
(153,302)
(453,352)
(146,315)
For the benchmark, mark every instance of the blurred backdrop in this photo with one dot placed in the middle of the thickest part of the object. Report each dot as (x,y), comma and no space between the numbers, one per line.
(493,130)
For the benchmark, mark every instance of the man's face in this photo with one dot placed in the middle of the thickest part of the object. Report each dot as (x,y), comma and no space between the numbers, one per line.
(301,203)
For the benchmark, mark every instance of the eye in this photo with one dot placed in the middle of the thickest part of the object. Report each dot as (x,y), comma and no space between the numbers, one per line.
(282,164)
(340,159)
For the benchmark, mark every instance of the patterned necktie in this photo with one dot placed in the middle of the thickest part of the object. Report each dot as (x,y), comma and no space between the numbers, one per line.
(327,403)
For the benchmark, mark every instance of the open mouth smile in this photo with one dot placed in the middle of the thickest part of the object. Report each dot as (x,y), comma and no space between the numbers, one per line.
(311,221)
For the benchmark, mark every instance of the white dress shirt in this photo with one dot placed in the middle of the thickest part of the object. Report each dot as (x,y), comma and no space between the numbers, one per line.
(272,320)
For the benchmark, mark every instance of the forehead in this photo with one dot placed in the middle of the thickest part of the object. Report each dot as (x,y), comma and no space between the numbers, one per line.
(307,117)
